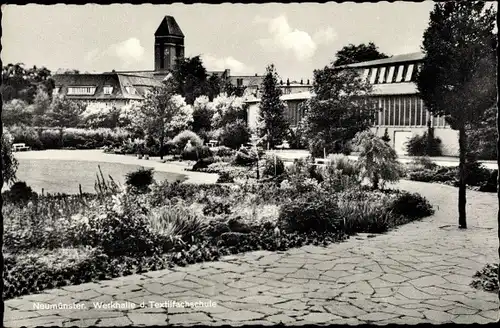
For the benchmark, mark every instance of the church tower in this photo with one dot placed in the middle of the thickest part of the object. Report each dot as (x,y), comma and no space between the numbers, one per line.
(169,44)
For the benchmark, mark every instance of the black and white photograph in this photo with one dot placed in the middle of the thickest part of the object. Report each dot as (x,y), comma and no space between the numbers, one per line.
(250,164)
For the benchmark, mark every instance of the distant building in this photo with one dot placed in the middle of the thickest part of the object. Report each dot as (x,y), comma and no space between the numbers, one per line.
(120,87)
(403,113)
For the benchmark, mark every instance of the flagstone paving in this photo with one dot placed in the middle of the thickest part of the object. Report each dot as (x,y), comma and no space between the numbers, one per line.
(417,273)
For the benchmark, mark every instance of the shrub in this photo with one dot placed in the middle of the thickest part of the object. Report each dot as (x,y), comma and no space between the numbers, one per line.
(343,164)
(196,153)
(243,158)
(424,162)
(312,212)
(217,207)
(26,135)
(411,205)
(140,179)
(377,160)
(273,166)
(364,212)
(9,162)
(225,177)
(491,184)
(19,192)
(176,221)
(203,163)
(419,145)
(51,139)
(181,140)
(235,134)
(123,229)
(224,151)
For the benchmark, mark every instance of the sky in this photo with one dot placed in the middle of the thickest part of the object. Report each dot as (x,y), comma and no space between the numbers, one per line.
(245,38)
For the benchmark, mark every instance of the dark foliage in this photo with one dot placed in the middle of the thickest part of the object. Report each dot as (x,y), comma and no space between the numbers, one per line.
(423,146)
(140,179)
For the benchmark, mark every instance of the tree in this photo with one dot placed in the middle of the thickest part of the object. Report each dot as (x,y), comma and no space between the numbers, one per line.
(16,112)
(163,113)
(378,160)
(190,78)
(351,54)
(457,79)
(213,87)
(202,114)
(227,109)
(64,113)
(9,162)
(272,121)
(231,90)
(482,136)
(340,108)
(21,83)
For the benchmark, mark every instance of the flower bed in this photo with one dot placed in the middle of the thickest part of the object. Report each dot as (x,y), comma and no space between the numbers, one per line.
(480,178)
(54,241)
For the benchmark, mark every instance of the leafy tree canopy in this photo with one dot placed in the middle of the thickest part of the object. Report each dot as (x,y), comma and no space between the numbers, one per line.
(351,54)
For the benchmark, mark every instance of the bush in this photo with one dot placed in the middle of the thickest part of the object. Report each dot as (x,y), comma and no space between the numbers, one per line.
(196,153)
(363,212)
(411,205)
(491,184)
(175,221)
(225,177)
(377,160)
(424,162)
(224,151)
(235,134)
(245,158)
(51,139)
(343,164)
(419,145)
(26,135)
(203,163)
(9,162)
(19,192)
(140,179)
(312,212)
(273,166)
(180,141)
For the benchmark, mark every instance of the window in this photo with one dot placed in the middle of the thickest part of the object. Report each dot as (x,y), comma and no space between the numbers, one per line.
(399,77)
(409,73)
(419,112)
(407,111)
(381,77)
(365,74)
(108,90)
(373,75)
(390,75)
(81,90)
(130,90)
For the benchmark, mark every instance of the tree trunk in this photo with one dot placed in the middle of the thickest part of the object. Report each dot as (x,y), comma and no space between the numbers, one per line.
(498,191)
(162,137)
(462,201)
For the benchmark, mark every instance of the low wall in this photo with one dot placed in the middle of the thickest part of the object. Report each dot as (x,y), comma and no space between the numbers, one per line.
(449,137)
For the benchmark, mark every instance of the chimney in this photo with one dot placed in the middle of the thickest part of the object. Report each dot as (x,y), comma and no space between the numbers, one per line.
(281,82)
(301,81)
(255,74)
(287,81)
(307,81)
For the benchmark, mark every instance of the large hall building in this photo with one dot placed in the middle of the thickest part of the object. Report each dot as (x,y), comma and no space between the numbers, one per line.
(402,113)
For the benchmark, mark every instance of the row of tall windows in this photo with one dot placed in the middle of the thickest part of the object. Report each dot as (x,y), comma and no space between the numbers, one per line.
(391,74)
(405,111)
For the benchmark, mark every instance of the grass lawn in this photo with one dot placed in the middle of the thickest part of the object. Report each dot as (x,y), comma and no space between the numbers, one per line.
(64,176)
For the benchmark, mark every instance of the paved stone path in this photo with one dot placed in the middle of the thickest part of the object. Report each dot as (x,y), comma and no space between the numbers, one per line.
(417,273)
